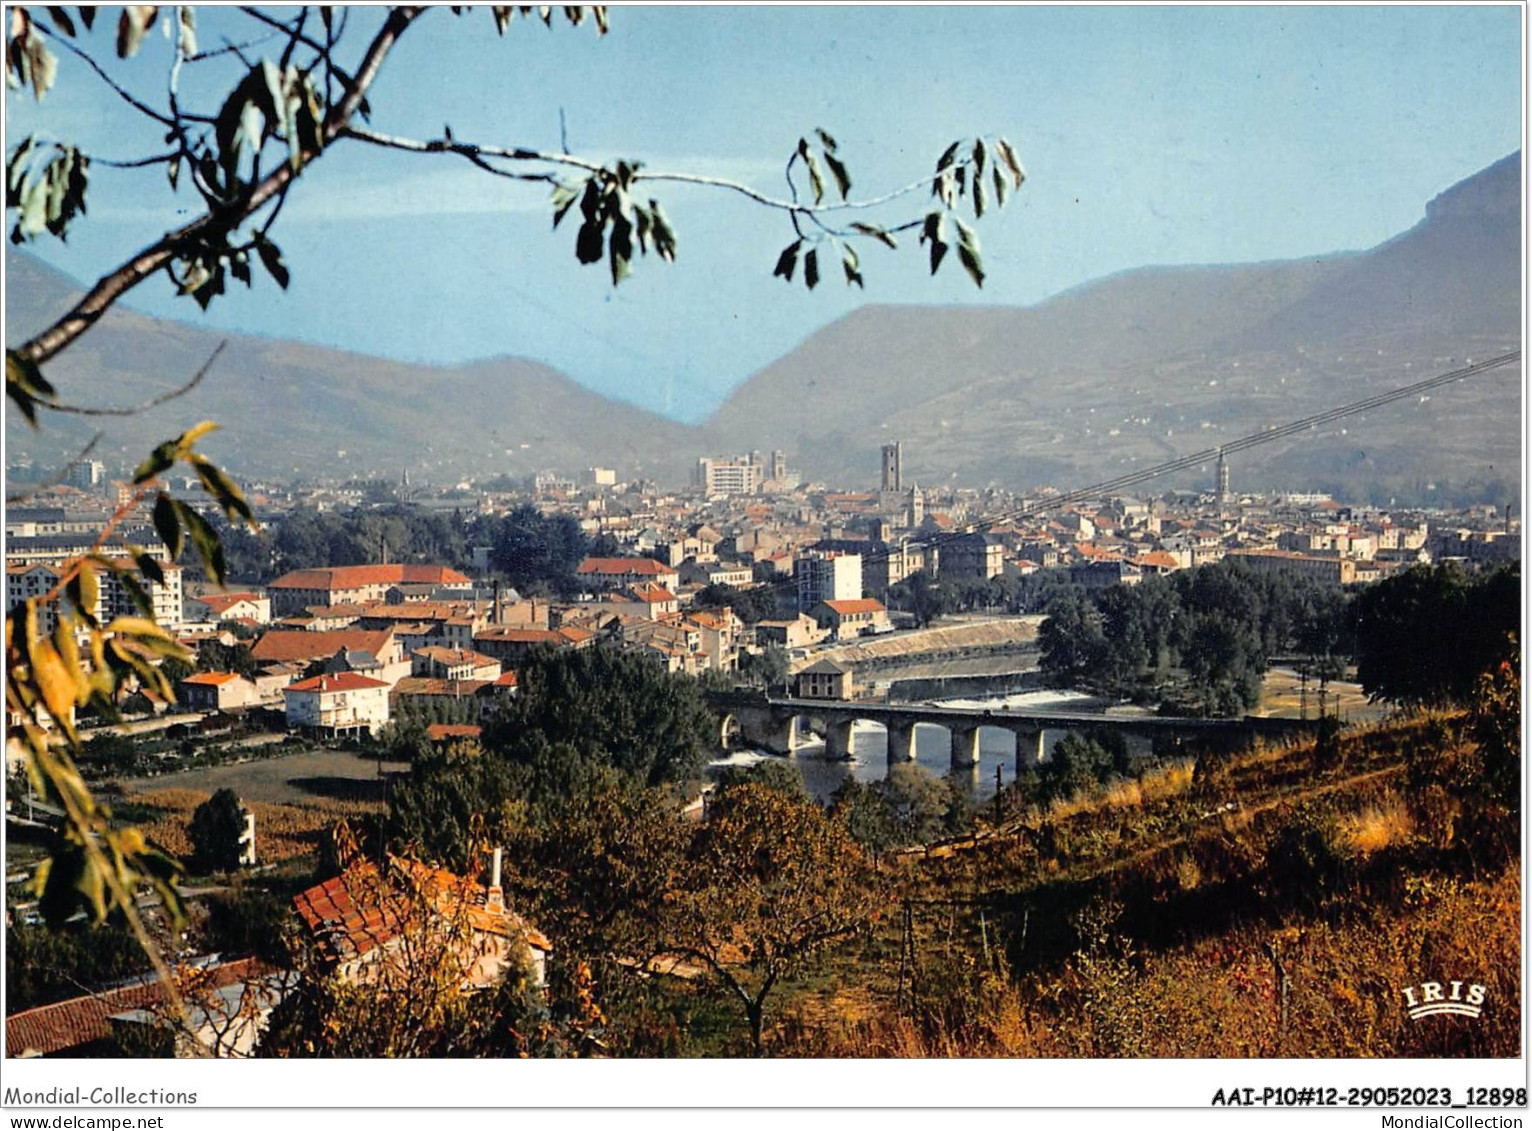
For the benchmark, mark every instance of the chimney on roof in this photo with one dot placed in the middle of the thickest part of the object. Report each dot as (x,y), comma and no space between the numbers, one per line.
(494,898)
(494,611)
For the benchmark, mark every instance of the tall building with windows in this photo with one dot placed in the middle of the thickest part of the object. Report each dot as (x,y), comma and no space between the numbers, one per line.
(86,474)
(893,466)
(827,576)
(739,476)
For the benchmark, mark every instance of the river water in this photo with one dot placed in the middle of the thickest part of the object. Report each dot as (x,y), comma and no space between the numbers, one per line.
(933,750)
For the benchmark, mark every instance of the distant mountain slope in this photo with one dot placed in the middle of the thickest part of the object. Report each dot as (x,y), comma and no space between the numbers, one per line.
(1117,374)
(290,408)
(1143,366)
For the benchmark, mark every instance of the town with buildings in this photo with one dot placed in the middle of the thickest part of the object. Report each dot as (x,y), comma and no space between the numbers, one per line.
(1093,643)
(338,648)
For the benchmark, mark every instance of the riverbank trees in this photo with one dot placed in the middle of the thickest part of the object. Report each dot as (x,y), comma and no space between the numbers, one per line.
(1198,641)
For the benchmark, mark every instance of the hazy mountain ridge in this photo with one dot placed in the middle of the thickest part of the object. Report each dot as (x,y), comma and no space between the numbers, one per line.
(290,408)
(1113,375)
(1176,359)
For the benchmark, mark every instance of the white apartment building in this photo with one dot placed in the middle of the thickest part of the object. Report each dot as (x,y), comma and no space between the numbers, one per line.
(739,476)
(24,580)
(827,576)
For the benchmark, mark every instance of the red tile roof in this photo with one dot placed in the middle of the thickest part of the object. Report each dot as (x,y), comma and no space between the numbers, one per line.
(863,605)
(344,681)
(222,602)
(210,679)
(436,685)
(358,911)
(353,577)
(652,594)
(280,645)
(455,656)
(518,635)
(65,1025)
(621,567)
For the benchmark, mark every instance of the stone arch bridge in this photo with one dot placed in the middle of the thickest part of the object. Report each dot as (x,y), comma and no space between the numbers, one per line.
(781,726)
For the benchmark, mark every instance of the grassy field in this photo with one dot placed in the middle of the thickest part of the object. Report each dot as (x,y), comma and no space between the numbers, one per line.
(314,775)
(295,799)
(1281,698)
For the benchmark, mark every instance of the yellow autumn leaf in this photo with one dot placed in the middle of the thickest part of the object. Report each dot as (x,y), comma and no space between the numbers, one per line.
(137,626)
(54,679)
(195,433)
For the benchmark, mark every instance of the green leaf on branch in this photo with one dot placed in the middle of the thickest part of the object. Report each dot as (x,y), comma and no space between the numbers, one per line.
(204,541)
(148,565)
(934,232)
(787,262)
(851,265)
(271,259)
(218,484)
(664,234)
(1012,163)
(25,385)
(167,525)
(816,178)
(28,62)
(563,198)
(132,26)
(838,171)
(61,20)
(882,235)
(162,457)
(968,253)
(811,269)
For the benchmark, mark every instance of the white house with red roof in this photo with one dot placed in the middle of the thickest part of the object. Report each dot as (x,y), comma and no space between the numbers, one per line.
(645,600)
(453,663)
(218,691)
(215,607)
(847,619)
(344,703)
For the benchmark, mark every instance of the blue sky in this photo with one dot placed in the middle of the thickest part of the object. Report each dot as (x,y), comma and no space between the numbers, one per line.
(1150,135)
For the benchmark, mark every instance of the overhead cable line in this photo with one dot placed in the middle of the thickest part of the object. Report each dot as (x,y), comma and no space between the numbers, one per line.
(1243,443)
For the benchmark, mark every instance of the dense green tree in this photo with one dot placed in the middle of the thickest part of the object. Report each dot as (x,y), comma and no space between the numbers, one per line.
(1072,640)
(751,605)
(215,828)
(248,920)
(216,656)
(918,595)
(537,552)
(1198,641)
(601,868)
(770,772)
(766,669)
(866,814)
(613,708)
(45,964)
(1426,635)
(581,721)
(454,800)
(110,753)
